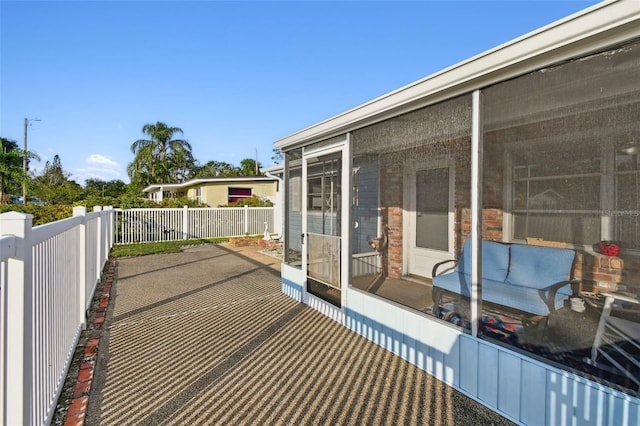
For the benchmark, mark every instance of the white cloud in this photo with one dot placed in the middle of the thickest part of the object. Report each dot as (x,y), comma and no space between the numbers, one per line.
(101,161)
(98,166)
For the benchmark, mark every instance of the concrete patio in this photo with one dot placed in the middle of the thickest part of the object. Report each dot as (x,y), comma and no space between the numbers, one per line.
(206,337)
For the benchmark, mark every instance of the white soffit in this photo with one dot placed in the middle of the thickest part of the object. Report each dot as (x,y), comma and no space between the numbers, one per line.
(591,30)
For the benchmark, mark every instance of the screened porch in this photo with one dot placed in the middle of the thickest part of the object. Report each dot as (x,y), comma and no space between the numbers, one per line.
(557,167)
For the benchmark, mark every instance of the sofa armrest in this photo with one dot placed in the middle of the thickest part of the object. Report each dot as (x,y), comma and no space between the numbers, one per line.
(434,271)
(553,290)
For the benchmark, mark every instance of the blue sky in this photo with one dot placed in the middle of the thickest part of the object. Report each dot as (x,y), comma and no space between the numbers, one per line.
(235,75)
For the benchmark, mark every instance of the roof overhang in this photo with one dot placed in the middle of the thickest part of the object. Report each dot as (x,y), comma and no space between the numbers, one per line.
(194,182)
(591,30)
(273,170)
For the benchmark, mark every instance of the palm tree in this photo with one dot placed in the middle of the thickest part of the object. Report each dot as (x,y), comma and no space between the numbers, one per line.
(142,170)
(159,159)
(249,167)
(184,166)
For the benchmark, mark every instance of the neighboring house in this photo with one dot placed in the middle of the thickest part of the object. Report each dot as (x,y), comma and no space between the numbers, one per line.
(535,140)
(216,192)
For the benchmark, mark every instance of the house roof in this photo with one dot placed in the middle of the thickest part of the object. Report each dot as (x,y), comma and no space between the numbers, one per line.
(195,182)
(276,169)
(589,31)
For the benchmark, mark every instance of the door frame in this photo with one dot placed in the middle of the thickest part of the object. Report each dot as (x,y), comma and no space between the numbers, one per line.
(344,147)
(409,208)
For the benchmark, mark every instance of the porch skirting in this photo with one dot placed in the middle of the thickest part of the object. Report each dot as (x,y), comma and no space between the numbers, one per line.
(292,282)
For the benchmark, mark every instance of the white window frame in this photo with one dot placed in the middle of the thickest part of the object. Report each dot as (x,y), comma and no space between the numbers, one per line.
(607,176)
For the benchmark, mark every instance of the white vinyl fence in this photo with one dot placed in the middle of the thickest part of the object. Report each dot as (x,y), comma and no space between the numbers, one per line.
(151,225)
(48,275)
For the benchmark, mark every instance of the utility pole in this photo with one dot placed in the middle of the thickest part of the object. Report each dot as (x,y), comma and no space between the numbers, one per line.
(256,165)
(24,163)
(24,160)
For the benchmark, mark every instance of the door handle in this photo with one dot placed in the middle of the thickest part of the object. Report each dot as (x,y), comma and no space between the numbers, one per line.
(302,238)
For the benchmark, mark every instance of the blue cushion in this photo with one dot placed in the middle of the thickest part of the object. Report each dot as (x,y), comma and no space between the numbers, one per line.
(455,282)
(526,299)
(539,267)
(495,260)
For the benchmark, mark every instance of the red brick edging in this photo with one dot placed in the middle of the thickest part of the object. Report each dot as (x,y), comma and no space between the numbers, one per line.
(80,399)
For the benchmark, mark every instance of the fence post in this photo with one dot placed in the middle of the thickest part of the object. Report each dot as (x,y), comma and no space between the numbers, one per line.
(109,231)
(19,324)
(246,220)
(118,219)
(82,264)
(99,245)
(185,222)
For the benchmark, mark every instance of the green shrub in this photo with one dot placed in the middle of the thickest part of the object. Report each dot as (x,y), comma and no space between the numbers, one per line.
(253,201)
(179,202)
(41,214)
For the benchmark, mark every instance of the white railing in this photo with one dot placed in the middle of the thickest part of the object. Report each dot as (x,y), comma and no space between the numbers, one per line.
(48,275)
(151,225)
(365,264)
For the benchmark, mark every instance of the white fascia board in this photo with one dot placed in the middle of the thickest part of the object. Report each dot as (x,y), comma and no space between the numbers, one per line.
(276,168)
(194,182)
(237,179)
(160,187)
(588,31)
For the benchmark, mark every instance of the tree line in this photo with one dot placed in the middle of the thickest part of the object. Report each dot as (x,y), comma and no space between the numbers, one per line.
(161,157)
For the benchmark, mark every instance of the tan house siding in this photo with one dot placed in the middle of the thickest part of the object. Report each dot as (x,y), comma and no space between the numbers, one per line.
(217,194)
(214,192)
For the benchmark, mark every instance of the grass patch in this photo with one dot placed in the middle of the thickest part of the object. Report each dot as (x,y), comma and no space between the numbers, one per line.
(143,249)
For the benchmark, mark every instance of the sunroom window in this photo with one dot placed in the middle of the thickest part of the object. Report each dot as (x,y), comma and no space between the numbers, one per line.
(293,197)
(556,195)
(626,217)
(575,197)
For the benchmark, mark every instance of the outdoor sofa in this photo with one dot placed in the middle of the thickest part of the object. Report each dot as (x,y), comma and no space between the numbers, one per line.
(529,279)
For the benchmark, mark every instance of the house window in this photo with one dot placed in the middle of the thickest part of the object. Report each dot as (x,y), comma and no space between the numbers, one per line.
(576,196)
(571,140)
(238,194)
(556,195)
(626,216)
